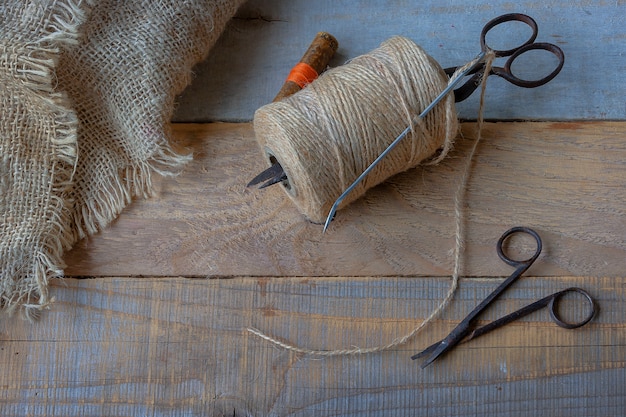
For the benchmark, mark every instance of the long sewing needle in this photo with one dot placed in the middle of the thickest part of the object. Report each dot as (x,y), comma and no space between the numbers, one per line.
(401,136)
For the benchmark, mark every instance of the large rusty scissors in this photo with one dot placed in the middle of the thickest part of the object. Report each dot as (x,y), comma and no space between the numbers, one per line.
(505,72)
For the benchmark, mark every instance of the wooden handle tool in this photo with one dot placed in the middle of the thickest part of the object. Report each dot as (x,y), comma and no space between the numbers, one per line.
(313,62)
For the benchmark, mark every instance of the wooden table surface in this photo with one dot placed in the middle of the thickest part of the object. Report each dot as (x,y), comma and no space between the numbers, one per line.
(152,319)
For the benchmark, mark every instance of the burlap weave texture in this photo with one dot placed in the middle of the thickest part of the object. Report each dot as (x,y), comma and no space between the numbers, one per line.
(86,93)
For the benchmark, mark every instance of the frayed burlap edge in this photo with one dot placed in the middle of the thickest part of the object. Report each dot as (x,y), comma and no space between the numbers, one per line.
(77,217)
(135,180)
(118,191)
(25,286)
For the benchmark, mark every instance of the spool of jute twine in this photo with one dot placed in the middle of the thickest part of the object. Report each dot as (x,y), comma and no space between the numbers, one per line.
(380,58)
(327,134)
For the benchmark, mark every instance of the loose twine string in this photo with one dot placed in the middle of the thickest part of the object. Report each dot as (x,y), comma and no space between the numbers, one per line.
(458,246)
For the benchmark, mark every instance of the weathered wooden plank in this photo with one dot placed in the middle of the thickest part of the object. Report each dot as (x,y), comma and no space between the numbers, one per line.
(566,180)
(179,347)
(250,62)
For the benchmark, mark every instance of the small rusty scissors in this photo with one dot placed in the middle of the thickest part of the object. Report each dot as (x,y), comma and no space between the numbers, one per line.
(465,331)
(505,72)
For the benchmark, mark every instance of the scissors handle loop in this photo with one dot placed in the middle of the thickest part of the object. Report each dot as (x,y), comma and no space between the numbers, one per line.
(506,72)
(517,230)
(552,306)
(511,17)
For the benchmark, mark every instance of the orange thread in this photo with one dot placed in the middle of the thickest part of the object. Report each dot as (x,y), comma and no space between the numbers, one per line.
(302,74)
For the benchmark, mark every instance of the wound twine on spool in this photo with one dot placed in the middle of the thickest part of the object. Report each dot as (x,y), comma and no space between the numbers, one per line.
(327,134)
(458,247)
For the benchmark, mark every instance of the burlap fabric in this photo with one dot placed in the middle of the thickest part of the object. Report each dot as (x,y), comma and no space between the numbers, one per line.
(87,90)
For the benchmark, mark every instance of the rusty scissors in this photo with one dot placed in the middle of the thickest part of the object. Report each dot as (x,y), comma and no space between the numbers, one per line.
(505,72)
(466,330)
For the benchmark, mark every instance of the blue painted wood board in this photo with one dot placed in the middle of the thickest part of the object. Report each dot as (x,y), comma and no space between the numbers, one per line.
(260,45)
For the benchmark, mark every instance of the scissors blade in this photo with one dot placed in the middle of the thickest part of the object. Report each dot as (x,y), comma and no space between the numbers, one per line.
(430,349)
(271,175)
(450,341)
(439,350)
(278,178)
(484,329)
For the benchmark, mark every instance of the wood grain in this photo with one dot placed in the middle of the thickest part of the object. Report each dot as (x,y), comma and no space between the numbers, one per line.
(259,47)
(146,338)
(179,347)
(566,180)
